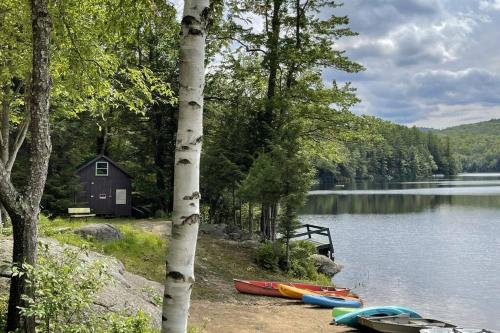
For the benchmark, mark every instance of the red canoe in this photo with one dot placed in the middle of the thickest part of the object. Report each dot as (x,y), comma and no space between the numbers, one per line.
(267,288)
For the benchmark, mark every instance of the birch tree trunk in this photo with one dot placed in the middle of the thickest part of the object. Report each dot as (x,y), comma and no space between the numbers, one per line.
(186,213)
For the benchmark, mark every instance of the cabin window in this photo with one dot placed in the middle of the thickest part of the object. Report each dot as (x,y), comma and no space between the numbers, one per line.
(101,168)
(102,196)
(121,197)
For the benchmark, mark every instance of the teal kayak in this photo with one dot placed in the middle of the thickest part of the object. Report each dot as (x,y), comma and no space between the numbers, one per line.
(350,319)
(330,301)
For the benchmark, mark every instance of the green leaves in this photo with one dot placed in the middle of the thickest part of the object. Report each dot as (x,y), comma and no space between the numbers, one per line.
(66,285)
(65,288)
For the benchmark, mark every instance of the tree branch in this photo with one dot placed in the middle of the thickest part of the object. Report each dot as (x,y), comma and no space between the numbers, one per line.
(10,198)
(21,135)
(248,48)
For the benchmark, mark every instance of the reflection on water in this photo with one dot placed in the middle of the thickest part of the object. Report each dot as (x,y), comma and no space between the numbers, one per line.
(438,253)
(392,203)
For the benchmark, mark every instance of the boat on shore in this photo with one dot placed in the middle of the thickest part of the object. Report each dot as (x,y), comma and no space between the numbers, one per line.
(339,311)
(350,319)
(401,323)
(270,288)
(330,301)
(297,293)
(455,330)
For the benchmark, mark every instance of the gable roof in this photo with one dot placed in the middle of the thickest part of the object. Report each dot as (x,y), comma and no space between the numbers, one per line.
(98,157)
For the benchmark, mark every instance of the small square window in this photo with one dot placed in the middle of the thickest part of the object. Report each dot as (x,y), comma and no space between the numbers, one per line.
(101,168)
(102,196)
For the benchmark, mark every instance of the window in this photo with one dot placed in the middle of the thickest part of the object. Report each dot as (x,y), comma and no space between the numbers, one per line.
(121,197)
(101,168)
(102,196)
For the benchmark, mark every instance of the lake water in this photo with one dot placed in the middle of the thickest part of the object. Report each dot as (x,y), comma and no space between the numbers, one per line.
(433,246)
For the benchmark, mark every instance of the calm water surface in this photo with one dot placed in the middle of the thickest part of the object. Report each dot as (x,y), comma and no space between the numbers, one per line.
(433,246)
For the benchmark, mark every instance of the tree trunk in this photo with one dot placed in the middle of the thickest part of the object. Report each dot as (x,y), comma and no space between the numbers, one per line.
(186,213)
(164,126)
(23,209)
(102,139)
(266,118)
(262,219)
(25,251)
(250,219)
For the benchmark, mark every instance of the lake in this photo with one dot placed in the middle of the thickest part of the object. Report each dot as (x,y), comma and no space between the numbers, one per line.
(431,245)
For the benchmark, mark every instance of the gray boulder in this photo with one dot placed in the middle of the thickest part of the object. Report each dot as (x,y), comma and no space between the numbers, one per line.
(101,232)
(325,265)
(125,292)
(5,269)
(214,230)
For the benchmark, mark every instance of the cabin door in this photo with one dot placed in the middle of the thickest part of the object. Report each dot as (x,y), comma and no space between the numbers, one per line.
(102,197)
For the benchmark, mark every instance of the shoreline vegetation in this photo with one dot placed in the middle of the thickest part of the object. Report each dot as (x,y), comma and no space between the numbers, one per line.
(218,261)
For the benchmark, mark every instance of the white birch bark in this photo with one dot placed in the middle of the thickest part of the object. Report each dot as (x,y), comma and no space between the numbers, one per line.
(186,213)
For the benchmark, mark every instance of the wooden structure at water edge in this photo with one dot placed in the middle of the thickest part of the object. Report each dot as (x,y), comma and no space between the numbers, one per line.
(324,246)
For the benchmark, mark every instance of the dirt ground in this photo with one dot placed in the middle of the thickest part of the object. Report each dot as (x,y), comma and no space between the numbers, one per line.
(219,309)
(274,317)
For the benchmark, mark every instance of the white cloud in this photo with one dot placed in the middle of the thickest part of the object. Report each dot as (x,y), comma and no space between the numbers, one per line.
(489,4)
(444,116)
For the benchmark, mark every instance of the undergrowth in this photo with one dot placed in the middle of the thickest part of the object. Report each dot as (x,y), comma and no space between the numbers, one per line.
(142,252)
(272,256)
(3,311)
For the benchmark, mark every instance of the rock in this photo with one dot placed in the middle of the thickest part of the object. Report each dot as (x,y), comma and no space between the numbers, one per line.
(234,236)
(246,236)
(5,269)
(325,265)
(125,292)
(213,230)
(101,232)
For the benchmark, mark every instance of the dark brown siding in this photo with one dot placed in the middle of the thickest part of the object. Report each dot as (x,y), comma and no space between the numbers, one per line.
(99,192)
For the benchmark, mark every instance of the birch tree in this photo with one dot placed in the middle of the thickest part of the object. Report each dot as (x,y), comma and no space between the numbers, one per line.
(186,212)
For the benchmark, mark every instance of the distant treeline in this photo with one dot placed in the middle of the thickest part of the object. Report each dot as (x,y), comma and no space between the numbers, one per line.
(477,145)
(396,152)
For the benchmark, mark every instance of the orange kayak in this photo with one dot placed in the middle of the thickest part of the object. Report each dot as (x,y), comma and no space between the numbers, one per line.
(297,293)
(270,288)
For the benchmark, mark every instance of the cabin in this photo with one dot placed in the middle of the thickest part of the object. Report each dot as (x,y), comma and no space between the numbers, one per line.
(105,187)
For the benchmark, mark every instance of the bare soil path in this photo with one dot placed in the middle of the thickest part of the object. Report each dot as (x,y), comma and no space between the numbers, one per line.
(275,317)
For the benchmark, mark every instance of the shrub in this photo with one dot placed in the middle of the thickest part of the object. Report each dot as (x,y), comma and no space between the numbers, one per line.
(270,255)
(3,311)
(118,323)
(65,289)
(300,264)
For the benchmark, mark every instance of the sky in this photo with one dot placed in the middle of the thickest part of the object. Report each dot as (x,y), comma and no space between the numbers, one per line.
(429,63)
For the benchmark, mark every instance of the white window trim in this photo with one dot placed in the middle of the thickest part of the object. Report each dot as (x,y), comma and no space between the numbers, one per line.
(107,169)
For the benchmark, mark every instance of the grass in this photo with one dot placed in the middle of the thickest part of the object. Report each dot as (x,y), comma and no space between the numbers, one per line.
(142,252)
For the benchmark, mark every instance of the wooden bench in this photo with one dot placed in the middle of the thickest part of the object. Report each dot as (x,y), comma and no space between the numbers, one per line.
(79,213)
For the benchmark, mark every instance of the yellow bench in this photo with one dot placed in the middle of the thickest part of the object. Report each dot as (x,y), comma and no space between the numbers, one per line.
(79,212)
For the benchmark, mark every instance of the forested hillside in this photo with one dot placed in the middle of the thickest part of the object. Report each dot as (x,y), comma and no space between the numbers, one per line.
(396,152)
(477,145)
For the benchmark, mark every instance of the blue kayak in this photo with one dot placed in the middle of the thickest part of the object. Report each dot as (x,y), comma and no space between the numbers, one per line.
(349,319)
(330,301)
